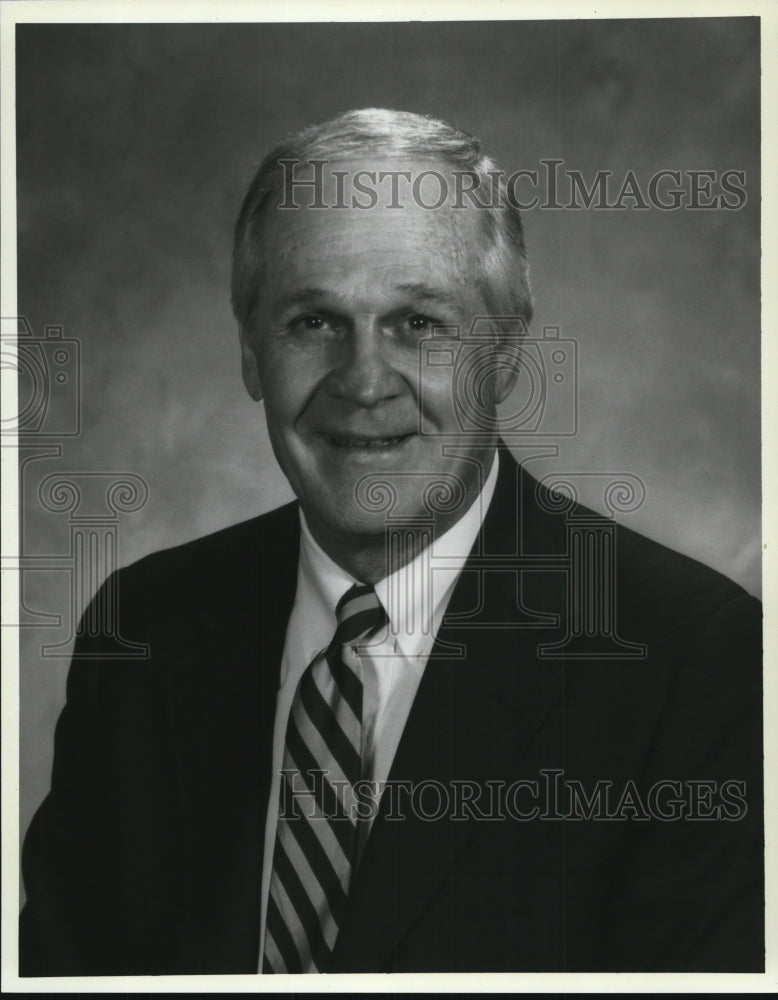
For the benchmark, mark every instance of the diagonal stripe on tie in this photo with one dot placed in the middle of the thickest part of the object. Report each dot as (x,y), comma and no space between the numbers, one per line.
(349,686)
(326,723)
(315,779)
(286,909)
(301,902)
(319,844)
(311,881)
(356,627)
(316,844)
(338,779)
(351,724)
(286,949)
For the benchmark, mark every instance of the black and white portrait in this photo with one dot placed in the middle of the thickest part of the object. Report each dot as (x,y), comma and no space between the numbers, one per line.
(388,458)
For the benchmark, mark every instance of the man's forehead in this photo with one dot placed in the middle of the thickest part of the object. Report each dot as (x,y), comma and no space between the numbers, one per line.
(379,205)
(370,235)
(446,295)
(374,257)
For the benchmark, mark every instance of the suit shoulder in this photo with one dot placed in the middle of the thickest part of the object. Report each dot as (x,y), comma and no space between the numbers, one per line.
(651,575)
(675,572)
(221,553)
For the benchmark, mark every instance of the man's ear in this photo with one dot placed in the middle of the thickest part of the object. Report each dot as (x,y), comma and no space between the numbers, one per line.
(249,368)
(509,353)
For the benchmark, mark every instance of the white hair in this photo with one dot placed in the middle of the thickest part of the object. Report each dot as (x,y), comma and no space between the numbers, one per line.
(504,271)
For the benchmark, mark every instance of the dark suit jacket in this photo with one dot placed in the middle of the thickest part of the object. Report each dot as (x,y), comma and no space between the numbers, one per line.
(146,856)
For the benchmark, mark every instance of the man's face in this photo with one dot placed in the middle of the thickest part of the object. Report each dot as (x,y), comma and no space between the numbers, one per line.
(347,296)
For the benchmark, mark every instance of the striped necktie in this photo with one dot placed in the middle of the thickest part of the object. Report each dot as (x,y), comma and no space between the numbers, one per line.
(316,841)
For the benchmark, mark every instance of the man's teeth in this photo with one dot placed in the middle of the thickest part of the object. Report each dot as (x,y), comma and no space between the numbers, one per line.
(388,442)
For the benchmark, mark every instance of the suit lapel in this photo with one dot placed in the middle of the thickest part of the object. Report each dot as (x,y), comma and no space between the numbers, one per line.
(474,716)
(234,658)
(221,706)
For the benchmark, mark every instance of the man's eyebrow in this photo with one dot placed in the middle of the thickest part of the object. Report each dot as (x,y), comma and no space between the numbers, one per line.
(311,294)
(298,296)
(419,290)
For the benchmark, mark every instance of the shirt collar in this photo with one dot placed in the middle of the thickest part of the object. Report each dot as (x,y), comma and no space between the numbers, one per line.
(414,597)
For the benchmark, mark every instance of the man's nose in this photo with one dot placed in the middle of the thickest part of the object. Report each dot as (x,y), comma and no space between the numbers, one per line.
(364,372)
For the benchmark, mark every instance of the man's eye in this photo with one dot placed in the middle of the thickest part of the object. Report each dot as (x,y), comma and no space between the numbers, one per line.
(310,322)
(419,323)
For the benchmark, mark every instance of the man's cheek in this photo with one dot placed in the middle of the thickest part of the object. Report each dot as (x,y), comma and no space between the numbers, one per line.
(436,403)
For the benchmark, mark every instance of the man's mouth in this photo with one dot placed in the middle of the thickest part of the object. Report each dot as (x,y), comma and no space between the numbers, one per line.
(367,443)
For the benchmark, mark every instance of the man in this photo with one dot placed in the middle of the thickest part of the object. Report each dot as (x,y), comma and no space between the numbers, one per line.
(432,717)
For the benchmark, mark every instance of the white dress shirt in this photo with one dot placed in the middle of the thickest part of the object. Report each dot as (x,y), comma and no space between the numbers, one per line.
(415,598)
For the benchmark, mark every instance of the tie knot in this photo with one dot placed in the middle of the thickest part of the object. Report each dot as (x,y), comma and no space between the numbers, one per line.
(359,612)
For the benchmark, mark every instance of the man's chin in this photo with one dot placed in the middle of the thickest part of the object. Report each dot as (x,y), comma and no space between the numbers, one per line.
(349,522)
(380,510)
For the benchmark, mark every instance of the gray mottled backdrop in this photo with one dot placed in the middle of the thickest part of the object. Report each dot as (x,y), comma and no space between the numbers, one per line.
(135,145)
